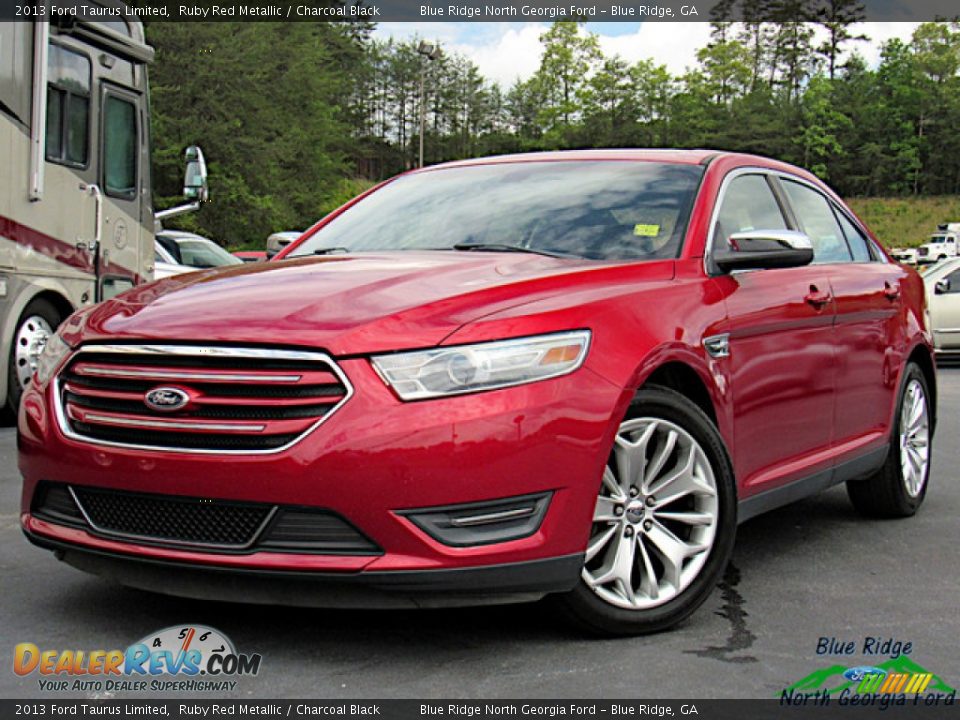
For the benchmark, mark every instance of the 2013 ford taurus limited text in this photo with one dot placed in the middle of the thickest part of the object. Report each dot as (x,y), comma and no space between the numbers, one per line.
(566,374)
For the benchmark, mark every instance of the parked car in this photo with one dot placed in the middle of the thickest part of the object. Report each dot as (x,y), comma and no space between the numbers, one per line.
(195,251)
(250,255)
(907,256)
(165,265)
(942,284)
(279,240)
(562,373)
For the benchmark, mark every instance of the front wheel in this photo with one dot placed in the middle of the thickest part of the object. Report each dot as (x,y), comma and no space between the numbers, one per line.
(898,488)
(664,521)
(35,326)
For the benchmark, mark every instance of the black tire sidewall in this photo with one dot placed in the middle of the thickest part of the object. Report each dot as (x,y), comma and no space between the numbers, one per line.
(46,310)
(601,617)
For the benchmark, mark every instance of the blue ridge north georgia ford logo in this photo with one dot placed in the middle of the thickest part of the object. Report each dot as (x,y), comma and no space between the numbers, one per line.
(166,399)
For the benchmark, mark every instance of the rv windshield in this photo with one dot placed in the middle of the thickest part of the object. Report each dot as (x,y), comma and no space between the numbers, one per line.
(589,209)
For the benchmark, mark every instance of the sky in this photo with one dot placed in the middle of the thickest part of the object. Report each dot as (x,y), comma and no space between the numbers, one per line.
(507,51)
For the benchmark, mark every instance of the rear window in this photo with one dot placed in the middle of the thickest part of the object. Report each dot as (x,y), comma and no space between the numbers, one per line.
(600,210)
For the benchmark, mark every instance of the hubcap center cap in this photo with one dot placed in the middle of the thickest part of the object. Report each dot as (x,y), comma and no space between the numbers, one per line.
(636,512)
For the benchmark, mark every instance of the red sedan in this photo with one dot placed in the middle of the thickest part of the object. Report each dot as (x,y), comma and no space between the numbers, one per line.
(489,381)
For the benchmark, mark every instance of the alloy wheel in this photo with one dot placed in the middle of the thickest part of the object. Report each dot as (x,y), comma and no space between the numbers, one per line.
(914,438)
(31,339)
(655,518)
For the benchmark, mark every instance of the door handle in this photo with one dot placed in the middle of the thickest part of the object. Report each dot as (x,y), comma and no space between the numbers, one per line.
(817,297)
(891,292)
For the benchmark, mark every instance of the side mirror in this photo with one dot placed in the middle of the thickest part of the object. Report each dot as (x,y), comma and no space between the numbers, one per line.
(195,178)
(942,287)
(764,249)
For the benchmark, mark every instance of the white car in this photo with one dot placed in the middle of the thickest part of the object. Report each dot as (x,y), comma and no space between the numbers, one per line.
(942,284)
(195,251)
(164,265)
(907,256)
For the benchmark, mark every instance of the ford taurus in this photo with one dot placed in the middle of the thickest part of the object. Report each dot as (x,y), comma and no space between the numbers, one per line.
(567,374)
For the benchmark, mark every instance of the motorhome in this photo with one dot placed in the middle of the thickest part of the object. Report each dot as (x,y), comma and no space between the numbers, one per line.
(76,212)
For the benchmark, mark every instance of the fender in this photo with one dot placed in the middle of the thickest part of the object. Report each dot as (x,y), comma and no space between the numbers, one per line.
(918,341)
(708,370)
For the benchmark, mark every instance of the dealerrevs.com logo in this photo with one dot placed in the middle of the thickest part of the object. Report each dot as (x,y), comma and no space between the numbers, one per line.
(180,658)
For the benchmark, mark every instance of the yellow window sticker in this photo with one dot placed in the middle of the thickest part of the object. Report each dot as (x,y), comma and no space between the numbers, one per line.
(641,230)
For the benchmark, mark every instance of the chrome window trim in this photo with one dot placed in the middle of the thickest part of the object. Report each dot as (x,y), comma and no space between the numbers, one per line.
(154,540)
(197,351)
(880,257)
(718,203)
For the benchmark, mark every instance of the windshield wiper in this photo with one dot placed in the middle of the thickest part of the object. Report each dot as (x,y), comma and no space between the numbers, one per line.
(329,250)
(503,247)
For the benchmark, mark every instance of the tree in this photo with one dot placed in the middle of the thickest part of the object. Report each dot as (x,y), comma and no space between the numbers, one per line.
(569,58)
(836,17)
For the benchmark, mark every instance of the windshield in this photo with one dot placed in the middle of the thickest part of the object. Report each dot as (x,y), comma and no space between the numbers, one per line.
(938,238)
(205,254)
(597,209)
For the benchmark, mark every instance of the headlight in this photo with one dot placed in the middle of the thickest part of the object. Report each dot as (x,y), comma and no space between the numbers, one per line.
(485,366)
(53,354)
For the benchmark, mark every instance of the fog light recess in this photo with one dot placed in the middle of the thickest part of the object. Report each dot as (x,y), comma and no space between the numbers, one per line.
(482,523)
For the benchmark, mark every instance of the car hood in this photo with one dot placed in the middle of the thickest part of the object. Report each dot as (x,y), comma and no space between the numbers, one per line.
(346,304)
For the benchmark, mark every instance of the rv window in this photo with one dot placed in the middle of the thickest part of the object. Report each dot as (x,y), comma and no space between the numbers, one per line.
(68,107)
(119,147)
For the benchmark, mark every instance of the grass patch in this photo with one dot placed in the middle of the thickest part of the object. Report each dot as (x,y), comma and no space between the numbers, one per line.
(906,222)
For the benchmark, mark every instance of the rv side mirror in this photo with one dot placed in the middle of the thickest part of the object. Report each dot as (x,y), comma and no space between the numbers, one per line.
(195,177)
(942,287)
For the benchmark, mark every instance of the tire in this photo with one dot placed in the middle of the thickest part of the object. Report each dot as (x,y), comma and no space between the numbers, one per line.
(604,606)
(38,319)
(897,489)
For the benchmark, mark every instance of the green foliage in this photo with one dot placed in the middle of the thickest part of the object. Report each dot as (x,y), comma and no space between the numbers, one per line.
(264,102)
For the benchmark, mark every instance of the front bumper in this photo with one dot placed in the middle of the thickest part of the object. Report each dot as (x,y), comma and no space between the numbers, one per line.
(375,460)
(455,587)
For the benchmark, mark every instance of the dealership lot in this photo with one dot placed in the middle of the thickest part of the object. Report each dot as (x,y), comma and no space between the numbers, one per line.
(810,570)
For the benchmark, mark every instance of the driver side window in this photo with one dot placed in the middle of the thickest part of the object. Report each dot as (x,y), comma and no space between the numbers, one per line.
(748,204)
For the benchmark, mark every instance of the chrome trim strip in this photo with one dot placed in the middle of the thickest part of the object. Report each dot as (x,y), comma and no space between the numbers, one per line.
(165,541)
(178,424)
(173,375)
(199,351)
(493,517)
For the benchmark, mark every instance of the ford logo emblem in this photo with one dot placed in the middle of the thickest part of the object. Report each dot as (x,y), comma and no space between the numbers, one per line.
(166,399)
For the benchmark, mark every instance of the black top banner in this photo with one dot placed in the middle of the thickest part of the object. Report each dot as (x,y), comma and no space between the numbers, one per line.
(62,11)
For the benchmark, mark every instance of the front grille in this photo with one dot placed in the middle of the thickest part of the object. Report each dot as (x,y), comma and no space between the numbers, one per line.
(193,521)
(235,400)
(200,524)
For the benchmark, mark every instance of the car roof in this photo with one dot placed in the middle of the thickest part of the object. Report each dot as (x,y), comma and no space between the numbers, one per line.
(177,235)
(700,156)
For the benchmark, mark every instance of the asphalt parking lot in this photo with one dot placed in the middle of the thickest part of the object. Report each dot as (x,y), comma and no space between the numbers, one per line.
(814,569)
